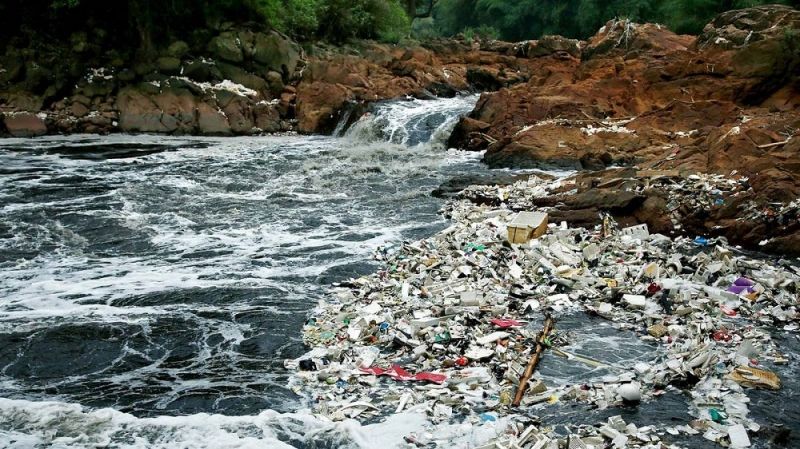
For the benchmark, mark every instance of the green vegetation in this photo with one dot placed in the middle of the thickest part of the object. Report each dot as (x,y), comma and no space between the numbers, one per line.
(149,24)
(528,19)
(155,22)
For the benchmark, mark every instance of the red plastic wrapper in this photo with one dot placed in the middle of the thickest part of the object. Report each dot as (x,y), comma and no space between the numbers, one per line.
(722,335)
(503,323)
(397,372)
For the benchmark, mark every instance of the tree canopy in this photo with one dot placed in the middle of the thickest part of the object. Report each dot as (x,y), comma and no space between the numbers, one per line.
(148,23)
(529,19)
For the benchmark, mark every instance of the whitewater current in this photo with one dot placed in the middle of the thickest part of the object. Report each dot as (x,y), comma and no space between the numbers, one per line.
(151,286)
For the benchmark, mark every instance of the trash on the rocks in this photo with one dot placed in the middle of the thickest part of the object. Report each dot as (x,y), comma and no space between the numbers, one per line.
(527,226)
(456,310)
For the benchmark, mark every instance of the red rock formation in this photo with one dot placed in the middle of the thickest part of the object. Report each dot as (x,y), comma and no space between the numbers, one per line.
(726,102)
(337,78)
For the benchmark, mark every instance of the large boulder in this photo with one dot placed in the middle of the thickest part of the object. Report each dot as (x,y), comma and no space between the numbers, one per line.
(177,49)
(169,65)
(276,52)
(211,121)
(24,124)
(626,37)
(138,112)
(243,77)
(737,28)
(227,47)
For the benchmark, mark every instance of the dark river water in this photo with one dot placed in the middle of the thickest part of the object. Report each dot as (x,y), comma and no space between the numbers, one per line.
(171,276)
(151,286)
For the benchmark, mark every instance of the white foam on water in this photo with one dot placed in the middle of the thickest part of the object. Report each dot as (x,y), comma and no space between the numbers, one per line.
(243,214)
(67,426)
(397,121)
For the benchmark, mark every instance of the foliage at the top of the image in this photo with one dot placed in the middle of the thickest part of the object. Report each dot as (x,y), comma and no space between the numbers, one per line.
(529,19)
(149,22)
(143,24)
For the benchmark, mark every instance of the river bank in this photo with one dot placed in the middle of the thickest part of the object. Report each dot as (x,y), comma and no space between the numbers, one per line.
(634,96)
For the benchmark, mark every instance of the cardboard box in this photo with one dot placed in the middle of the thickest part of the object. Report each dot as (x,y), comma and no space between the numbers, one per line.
(526,226)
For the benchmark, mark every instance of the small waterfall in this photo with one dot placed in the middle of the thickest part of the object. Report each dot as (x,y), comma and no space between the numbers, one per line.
(411,122)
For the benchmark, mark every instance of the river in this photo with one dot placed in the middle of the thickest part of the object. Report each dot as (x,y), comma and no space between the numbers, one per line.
(144,277)
(151,287)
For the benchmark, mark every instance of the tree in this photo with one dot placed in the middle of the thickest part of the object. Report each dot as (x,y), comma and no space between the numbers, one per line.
(413,12)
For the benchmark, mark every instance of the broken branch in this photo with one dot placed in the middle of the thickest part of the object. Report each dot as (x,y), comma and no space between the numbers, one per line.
(534,361)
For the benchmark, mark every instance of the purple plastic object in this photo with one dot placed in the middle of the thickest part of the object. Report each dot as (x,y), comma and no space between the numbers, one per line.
(744,282)
(738,289)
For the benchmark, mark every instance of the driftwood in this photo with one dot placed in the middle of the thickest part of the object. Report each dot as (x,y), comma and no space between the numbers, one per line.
(534,361)
(774,144)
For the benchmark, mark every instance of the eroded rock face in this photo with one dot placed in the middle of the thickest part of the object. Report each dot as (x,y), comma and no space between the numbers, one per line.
(335,79)
(643,95)
(724,103)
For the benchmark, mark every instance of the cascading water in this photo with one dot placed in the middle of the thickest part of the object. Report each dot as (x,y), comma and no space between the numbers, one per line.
(147,281)
(412,122)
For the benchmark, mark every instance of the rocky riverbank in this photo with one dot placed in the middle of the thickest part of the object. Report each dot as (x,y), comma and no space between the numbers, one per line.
(239,82)
(635,95)
(666,106)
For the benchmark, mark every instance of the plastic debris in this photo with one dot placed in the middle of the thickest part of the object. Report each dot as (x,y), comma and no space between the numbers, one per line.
(459,310)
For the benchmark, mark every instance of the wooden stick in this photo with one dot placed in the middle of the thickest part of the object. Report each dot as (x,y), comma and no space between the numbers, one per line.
(534,361)
(774,144)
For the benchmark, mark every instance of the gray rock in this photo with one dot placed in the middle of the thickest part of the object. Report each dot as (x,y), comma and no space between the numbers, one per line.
(202,71)
(178,49)
(277,52)
(243,77)
(226,47)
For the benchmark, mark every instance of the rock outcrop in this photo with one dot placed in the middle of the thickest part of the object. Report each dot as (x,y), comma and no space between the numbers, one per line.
(243,82)
(239,83)
(643,95)
(336,80)
(726,102)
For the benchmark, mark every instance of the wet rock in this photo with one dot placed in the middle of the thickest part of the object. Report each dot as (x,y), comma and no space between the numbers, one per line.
(211,121)
(138,112)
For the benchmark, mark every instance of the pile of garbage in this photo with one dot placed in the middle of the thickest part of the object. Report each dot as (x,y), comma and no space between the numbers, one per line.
(449,325)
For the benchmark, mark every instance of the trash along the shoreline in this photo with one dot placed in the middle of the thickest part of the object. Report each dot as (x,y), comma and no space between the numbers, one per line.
(449,324)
